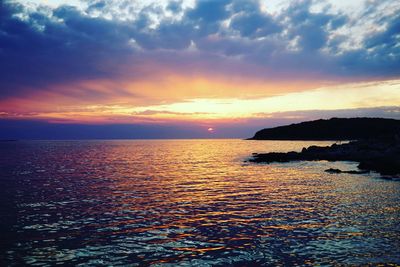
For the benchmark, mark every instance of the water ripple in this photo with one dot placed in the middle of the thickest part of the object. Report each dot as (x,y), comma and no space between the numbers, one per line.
(189,202)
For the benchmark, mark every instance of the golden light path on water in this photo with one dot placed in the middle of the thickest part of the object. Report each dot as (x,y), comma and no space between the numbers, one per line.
(190,202)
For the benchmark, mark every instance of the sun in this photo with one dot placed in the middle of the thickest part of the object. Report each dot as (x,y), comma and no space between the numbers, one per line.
(210,130)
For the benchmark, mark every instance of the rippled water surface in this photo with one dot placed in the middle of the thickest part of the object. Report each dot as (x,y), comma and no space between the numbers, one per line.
(189,202)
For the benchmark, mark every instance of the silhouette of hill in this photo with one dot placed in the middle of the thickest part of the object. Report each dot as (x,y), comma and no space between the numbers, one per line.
(332,129)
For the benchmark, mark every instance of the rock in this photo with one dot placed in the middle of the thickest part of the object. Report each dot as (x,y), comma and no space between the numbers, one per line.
(379,154)
(330,170)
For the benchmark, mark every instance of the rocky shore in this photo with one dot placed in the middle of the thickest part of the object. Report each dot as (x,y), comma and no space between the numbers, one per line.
(375,154)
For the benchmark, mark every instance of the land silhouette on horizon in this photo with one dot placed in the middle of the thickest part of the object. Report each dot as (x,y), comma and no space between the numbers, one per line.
(375,143)
(332,129)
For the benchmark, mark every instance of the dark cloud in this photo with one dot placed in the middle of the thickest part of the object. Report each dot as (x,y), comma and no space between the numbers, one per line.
(40,130)
(175,6)
(41,50)
(42,47)
(251,22)
(311,28)
(33,129)
(387,39)
(172,35)
(380,54)
(209,11)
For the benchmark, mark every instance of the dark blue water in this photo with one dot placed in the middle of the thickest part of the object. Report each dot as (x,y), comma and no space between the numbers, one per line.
(188,202)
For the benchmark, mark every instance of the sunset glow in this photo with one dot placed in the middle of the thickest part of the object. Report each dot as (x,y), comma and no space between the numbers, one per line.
(200,132)
(184,67)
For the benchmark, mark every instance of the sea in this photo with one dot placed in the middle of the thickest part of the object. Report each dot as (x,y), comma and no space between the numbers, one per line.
(189,203)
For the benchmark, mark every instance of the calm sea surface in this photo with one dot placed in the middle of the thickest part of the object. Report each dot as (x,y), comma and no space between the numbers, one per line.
(188,202)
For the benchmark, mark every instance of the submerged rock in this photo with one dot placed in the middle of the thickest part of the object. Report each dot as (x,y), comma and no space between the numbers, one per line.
(330,170)
(380,154)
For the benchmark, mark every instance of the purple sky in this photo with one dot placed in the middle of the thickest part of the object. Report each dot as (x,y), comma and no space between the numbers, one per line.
(172,69)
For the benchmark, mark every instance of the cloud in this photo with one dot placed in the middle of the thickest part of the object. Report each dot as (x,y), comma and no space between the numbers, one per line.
(234,128)
(251,21)
(45,49)
(209,11)
(166,112)
(40,130)
(38,50)
(303,115)
(175,6)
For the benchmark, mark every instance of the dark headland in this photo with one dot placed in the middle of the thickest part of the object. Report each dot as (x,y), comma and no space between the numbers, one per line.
(375,143)
(332,129)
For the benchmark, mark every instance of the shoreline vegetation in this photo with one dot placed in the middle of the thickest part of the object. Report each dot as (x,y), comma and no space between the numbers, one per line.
(376,148)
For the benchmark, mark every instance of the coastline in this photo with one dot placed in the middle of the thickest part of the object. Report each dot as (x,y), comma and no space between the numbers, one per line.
(381,155)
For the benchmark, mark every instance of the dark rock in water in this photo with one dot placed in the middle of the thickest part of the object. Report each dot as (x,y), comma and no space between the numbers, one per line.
(383,165)
(275,157)
(378,154)
(330,170)
(332,129)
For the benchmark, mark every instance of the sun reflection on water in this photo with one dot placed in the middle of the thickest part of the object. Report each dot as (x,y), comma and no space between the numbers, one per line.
(191,202)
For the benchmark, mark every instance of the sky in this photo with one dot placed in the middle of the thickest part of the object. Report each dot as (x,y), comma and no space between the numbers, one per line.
(193,68)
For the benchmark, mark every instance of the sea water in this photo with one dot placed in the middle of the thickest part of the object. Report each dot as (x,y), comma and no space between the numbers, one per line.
(189,202)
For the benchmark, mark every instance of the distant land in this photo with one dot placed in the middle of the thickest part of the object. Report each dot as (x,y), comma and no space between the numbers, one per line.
(375,145)
(332,129)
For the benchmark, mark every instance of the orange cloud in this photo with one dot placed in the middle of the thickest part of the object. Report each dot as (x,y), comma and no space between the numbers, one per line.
(174,97)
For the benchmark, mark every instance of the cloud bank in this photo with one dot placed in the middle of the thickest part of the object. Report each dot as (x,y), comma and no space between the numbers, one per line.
(187,62)
(44,47)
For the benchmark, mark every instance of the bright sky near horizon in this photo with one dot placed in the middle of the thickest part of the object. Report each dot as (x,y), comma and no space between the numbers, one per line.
(198,62)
